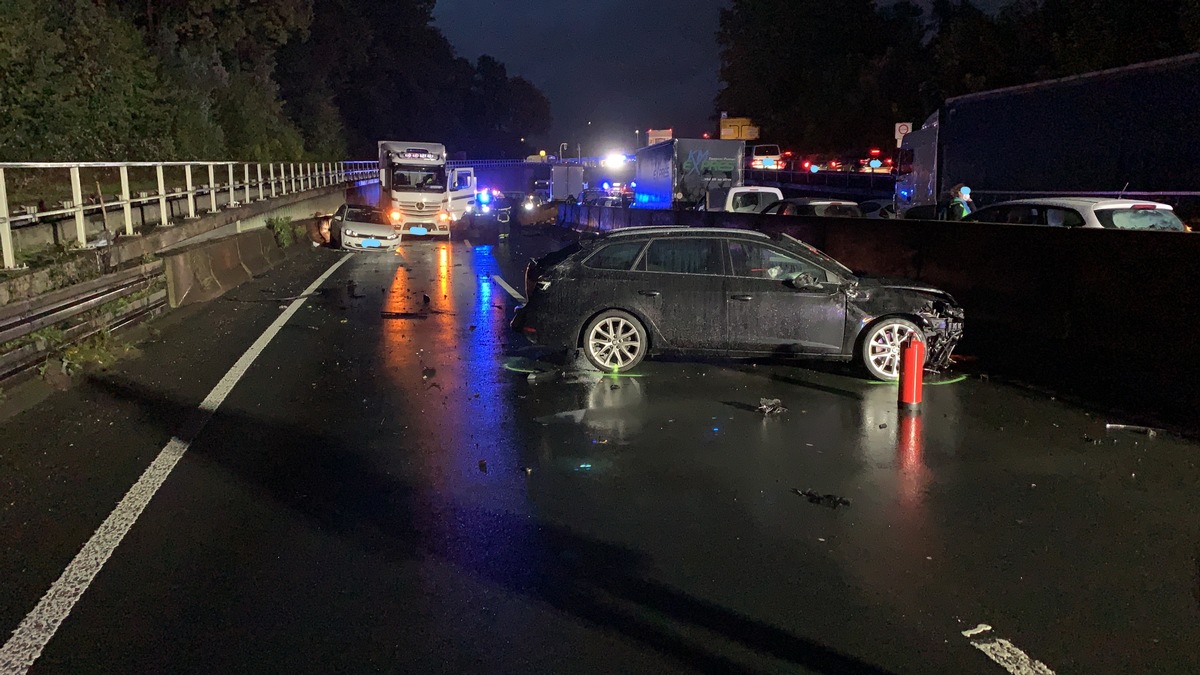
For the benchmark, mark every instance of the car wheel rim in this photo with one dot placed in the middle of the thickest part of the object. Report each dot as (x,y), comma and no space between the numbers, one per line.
(884,349)
(614,343)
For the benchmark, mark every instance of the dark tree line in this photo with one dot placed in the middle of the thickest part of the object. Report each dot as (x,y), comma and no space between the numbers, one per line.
(246,79)
(833,76)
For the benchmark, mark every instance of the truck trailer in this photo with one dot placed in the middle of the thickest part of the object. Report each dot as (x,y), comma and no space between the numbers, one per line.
(1132,131)
(679,173)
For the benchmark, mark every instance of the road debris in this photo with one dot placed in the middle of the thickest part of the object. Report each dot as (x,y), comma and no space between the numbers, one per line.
(428,372)
(1149,432)
(404,315)
(1089,439)
(483,466)
(830,501)
(770,406)
(528,470)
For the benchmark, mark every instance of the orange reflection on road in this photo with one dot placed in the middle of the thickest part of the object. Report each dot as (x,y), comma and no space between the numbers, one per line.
(910,447)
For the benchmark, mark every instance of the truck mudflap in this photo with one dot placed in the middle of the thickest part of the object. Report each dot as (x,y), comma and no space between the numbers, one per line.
(943,329)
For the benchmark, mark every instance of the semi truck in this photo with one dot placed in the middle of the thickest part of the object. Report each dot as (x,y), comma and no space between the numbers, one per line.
(421,194)
(1133,131)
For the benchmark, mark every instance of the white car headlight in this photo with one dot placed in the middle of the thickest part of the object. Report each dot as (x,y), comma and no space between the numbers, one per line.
(528,206)
(485,208)
(349,233)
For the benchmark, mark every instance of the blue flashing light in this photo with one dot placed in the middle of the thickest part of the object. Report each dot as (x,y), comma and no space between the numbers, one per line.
(716,428)
(606,186)
(485,197)
(633,184)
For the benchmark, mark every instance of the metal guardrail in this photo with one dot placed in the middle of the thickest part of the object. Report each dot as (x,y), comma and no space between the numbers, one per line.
(240,183)
(872,183)
(66,309)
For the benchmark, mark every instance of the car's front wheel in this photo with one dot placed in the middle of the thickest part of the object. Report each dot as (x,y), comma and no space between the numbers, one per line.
(880,346)
(615,341)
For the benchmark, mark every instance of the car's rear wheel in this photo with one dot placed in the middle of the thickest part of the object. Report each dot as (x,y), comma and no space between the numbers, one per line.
(879,349)
(615,341)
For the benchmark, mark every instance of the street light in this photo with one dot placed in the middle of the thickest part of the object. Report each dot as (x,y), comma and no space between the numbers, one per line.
(637,135)
(562,150)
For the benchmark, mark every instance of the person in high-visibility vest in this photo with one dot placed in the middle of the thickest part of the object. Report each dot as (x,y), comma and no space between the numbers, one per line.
(960,203)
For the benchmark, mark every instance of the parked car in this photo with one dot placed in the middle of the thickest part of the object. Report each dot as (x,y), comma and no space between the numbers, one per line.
(358,227)
(877,209)
(648,290)
(1091,212)
(764,157)
(803,206)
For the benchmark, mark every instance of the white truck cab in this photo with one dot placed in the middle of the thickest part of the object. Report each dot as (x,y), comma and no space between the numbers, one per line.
(741,199)
(423,195)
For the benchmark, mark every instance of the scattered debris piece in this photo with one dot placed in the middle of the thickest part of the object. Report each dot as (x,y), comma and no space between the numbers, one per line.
(770,406)
(544,376)
(614,386)
(483,466)
(883,426)
(428,372)
(404,315)
(425,298)
(831,501)
(1150,432)
(434,385)
(528,470)
(345,321)
(1089,439)
(601,441)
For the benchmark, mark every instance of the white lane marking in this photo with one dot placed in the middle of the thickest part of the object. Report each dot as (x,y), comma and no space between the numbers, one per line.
(511,291)
(36,630)
(1007,655)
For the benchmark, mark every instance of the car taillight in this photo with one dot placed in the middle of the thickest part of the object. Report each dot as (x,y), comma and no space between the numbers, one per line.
(1144,207)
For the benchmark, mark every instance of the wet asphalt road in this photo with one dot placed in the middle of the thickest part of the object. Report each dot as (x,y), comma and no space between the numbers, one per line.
(385,491)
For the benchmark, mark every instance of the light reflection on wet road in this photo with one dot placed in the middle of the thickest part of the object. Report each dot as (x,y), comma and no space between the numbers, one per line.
(485,523)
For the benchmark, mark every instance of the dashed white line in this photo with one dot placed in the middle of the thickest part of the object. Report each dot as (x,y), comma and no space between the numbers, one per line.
(1004,653)
(511,291)
(35,631)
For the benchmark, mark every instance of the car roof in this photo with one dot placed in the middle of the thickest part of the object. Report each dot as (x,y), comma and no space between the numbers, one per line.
(813,201)
(1083,203)
(661,230)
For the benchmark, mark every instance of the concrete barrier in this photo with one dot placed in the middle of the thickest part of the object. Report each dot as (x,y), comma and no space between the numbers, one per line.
(203,271)
(1110,315)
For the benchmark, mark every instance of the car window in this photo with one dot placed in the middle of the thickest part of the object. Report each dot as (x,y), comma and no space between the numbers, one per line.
(765,150)
(751,202)
(760,261)
(616,256)
(1059,217)
(683,256)
(1014,214)
(1140,219)
(360,215)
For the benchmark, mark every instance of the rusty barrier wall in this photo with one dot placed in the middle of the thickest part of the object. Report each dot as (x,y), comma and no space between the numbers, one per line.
(1109,315)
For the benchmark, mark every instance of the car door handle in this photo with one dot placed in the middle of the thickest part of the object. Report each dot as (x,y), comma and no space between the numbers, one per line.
(742,298)
(652,294)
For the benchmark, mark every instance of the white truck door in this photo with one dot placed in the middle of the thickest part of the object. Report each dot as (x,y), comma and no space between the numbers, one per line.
(462,192)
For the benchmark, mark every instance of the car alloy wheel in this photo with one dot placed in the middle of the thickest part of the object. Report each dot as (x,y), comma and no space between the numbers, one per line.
(615,341)
(882,344)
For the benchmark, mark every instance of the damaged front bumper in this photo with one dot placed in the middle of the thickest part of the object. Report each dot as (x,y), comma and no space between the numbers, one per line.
(943,329)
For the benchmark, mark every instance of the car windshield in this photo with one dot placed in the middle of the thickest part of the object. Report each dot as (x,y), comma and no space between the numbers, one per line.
(1140,219)
(793,244)
(418,178)
(358,214)
(766,150)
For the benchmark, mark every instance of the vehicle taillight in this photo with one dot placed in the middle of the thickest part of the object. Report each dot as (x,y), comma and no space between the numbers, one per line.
(807,164)
(875,152)
(1144,207)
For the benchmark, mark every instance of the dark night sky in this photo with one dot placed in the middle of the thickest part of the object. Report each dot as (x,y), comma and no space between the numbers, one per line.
(621,64)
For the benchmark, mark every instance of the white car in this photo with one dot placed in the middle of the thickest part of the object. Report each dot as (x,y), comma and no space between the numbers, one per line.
(764,157)
(363,228)
(1091,212)
(814,207)
(877,209)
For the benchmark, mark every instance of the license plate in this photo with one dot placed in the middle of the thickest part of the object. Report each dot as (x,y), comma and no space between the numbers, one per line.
(418,230)
(371,243)
(768,162)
